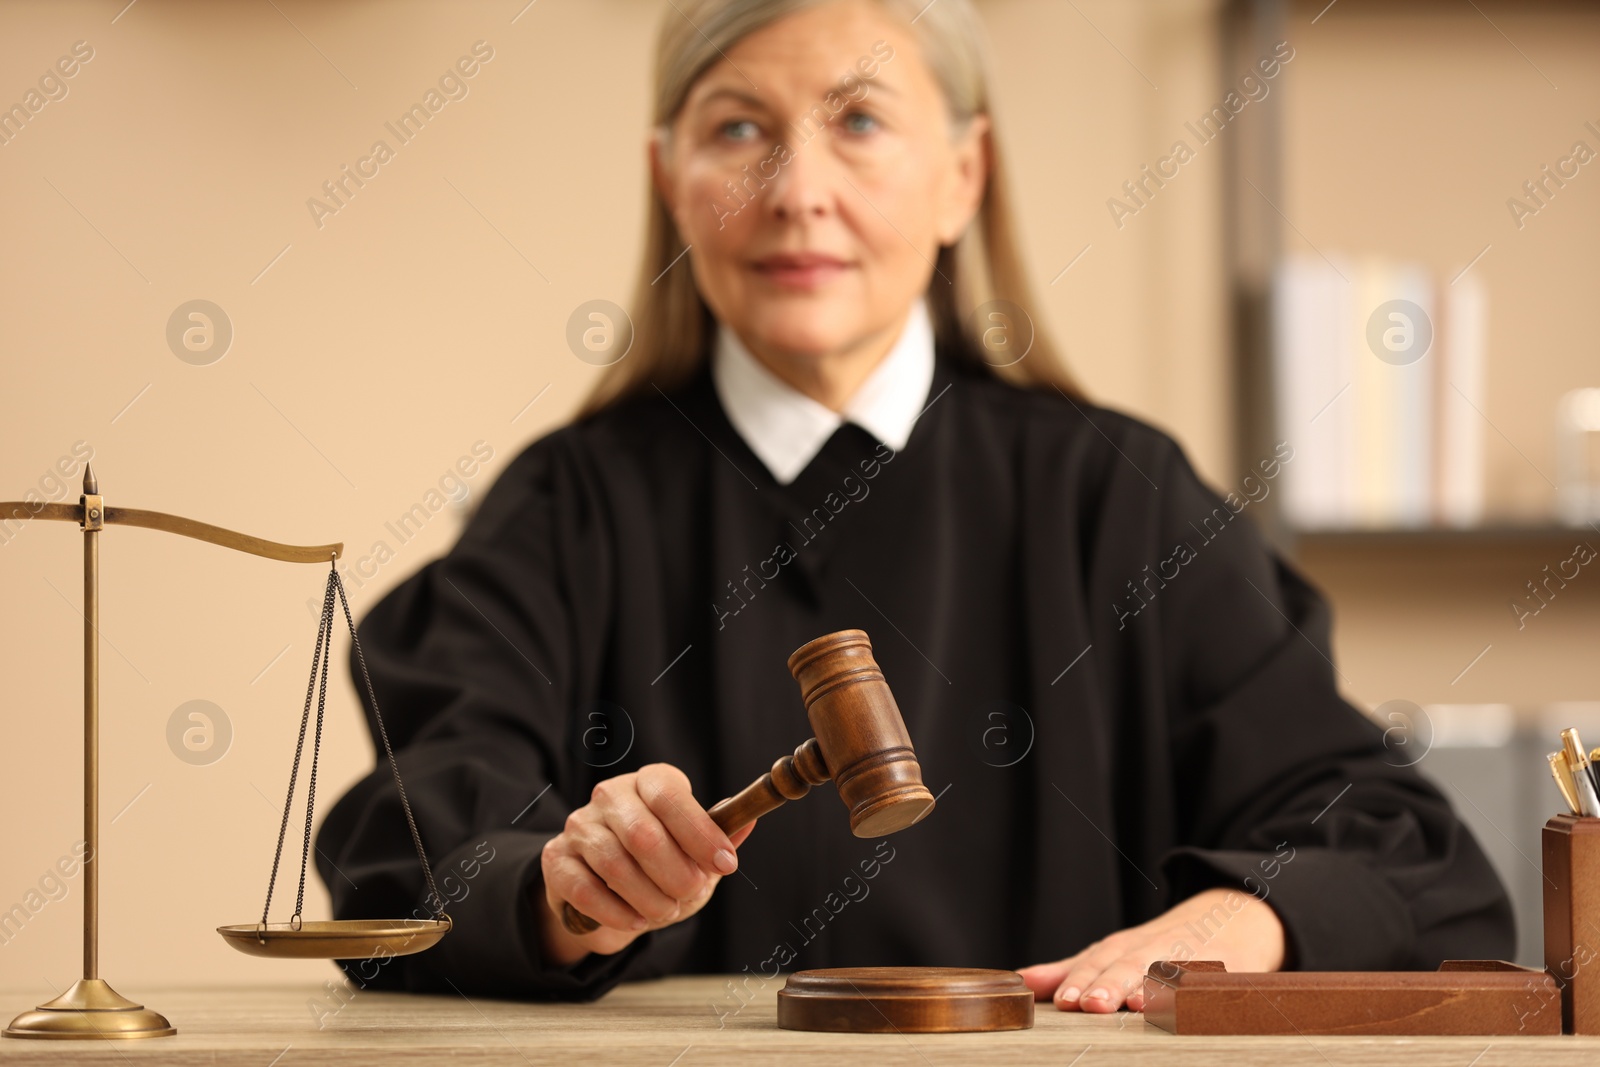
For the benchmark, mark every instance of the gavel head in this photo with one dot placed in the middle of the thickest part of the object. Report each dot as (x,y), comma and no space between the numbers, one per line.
(860,732)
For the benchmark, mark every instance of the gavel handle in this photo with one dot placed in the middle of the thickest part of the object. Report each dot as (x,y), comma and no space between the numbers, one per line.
(790,779)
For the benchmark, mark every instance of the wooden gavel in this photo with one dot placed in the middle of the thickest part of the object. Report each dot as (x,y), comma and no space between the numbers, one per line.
(860,743)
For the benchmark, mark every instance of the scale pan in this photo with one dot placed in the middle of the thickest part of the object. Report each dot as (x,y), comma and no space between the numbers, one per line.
(341,939)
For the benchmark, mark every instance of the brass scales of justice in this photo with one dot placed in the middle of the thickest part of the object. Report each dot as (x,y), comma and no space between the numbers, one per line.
(90,1008)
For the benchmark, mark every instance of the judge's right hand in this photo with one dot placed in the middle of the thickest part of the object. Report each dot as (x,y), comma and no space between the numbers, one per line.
(641,855)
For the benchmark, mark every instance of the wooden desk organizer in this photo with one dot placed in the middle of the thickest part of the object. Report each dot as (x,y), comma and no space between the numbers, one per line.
(1571,846)
(1484,997)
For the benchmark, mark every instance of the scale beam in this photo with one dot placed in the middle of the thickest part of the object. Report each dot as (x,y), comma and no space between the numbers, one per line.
(177,524)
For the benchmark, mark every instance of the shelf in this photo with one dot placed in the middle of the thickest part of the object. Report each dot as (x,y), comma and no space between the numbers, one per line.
(1500,534)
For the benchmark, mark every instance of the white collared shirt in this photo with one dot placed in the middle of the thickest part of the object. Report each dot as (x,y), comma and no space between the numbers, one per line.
(786,428)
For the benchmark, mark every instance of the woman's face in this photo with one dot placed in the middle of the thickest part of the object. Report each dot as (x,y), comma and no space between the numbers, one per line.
(813,174)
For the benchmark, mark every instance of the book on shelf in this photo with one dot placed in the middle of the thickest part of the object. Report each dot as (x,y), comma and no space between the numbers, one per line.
(1378,376)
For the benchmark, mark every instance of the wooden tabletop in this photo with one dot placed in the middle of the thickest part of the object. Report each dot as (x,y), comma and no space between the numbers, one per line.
(675,1023)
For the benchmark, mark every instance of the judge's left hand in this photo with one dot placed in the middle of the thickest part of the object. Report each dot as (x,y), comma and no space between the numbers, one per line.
(1237,928)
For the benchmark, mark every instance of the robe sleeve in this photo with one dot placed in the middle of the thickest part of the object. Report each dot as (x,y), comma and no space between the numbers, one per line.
(1286,791)
(476,661)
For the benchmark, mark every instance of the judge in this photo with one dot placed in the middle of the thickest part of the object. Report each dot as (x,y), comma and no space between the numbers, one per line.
(1121,696)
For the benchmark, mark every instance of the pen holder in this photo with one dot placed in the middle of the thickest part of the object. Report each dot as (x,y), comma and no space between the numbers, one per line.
(1571,846)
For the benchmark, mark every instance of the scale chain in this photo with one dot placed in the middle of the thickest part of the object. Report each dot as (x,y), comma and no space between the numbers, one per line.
(324,640)
(436,902)
(316,756)
(321,656)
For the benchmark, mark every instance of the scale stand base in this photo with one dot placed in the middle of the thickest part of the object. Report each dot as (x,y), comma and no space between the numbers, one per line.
(90,1009)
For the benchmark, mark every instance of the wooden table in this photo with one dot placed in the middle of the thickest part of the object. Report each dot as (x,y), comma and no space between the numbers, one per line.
(674,1023)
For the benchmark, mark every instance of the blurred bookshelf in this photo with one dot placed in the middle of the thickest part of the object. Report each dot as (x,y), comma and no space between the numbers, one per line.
(1384,165)
(1396,317)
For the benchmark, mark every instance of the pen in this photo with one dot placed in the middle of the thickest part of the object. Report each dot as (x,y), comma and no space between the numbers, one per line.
(1577,757)
(1562,773)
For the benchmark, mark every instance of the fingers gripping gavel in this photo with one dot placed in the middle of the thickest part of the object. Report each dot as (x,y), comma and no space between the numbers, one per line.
(790,779)
(861,744)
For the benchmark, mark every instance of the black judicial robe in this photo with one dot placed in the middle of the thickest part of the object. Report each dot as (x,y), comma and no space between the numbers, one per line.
(1118,692)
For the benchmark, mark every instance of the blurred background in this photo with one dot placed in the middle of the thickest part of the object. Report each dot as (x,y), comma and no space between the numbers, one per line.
(1382,253)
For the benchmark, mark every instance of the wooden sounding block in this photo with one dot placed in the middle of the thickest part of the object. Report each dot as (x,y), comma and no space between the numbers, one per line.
(1571,846)
(1481,997)
(907,1000)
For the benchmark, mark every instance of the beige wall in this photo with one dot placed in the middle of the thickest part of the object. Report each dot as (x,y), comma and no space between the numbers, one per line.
(422,318)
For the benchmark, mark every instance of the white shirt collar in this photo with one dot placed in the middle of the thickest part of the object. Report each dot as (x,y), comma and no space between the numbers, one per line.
(786,428)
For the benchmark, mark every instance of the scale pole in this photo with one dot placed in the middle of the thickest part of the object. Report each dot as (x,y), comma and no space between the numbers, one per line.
(93,516)
(90,1008)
